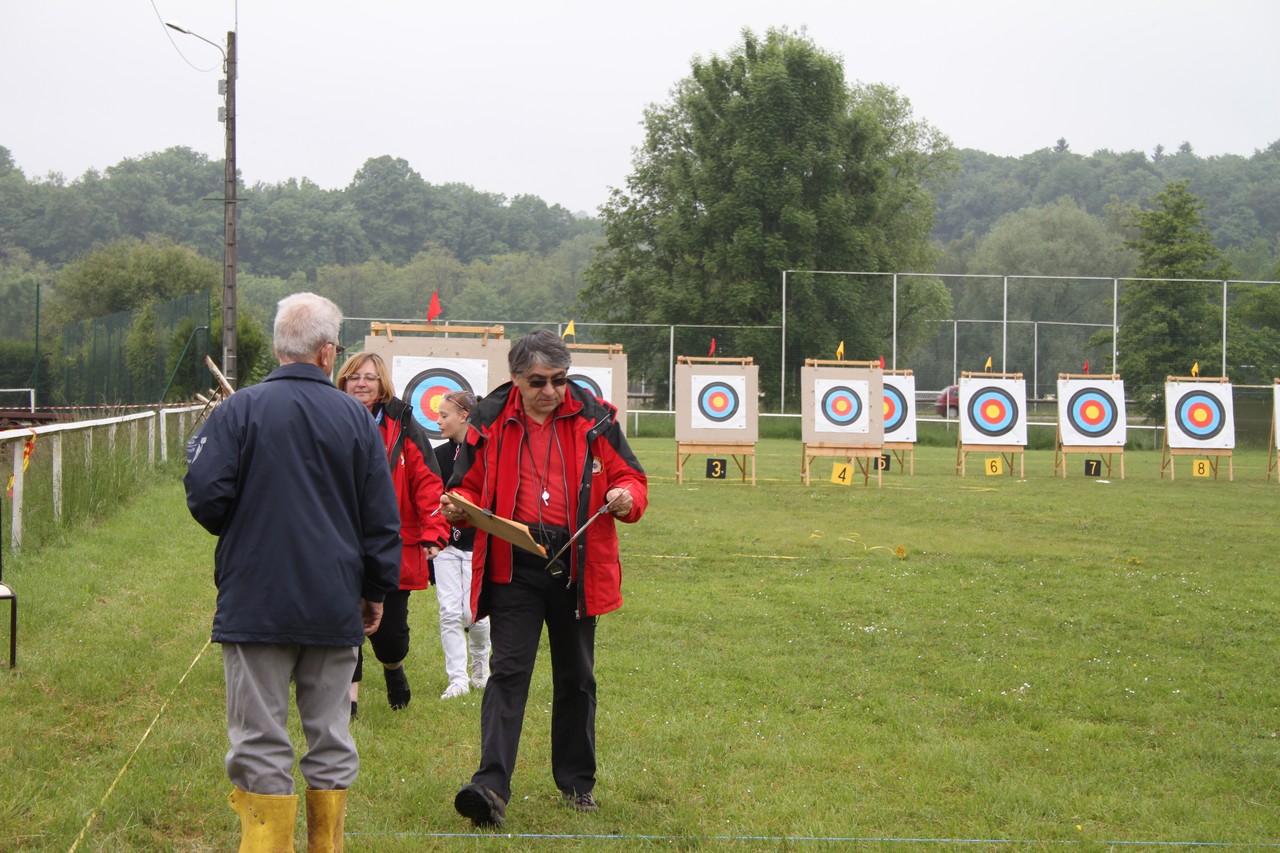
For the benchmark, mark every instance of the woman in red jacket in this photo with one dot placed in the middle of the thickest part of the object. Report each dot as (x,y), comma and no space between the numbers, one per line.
(423,531)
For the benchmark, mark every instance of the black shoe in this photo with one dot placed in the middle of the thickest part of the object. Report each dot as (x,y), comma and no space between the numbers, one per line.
(398,693)
(481,804)
(353,708)
(579,802)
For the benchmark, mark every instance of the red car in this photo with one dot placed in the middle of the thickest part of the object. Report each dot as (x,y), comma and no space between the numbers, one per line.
(948,403)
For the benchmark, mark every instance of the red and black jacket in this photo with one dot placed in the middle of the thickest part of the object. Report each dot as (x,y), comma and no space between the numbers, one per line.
(597,458)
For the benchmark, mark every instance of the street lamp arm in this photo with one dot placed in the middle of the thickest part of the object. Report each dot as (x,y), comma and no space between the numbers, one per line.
(174,25)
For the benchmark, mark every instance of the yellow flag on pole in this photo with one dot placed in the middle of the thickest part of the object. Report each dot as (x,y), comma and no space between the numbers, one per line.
(1195,369)
(568,330)
(987,366)
(840,352)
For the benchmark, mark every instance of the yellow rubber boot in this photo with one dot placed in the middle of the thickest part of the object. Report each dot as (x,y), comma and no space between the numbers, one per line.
(326,815)
(266,821)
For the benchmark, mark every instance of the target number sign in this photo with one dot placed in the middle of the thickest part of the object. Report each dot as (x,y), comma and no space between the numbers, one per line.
(1201,468)
(899,408)
(716,469)
(883,462)
(1091,412)
(842,474)
(423,381)
(993,411)
(994,466)
(1093,467)
(719,402)
(1200,414)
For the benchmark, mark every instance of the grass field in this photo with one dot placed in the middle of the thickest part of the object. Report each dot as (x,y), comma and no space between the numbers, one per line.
(1019,664)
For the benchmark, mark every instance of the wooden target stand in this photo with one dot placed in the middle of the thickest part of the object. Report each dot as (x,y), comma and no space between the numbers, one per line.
(864,457)
(590,356)
(1272,461)
(1007,451)
(1168,454)
(861,455)
(901,450)
(389,329)
(739,451)
(1060,450)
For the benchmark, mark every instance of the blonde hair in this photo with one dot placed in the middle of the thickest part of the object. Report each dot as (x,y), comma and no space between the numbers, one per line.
(358,361)
(464,400)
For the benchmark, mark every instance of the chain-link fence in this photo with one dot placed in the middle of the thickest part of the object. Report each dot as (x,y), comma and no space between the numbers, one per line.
(147,355)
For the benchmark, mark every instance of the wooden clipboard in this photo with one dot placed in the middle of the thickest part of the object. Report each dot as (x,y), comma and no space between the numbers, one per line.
(504,528)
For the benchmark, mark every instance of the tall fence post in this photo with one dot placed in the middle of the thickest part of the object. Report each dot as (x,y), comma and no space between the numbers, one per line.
(1224,330)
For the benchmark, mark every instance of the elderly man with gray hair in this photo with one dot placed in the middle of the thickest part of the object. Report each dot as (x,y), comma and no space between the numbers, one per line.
(291,476)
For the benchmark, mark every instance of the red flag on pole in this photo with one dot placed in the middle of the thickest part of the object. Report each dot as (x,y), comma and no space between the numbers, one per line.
(1086,365)
(713,347)
(882,362)
(433,310)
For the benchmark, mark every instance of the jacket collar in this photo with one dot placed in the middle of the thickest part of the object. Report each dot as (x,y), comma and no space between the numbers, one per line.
(299,370)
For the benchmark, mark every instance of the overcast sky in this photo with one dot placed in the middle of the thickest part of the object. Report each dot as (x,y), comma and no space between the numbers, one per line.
(547,97)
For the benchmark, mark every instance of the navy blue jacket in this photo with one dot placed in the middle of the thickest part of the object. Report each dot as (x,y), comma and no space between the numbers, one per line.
(291,475)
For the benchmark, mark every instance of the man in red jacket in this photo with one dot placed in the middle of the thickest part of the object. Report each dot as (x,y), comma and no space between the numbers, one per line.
(545,452)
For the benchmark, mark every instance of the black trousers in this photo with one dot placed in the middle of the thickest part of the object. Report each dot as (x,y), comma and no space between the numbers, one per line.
(518,611)
(391,641)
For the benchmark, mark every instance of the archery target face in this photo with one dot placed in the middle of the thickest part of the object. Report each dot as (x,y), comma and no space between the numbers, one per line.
(718,402)
(595,380)
(842,406)
(993,411)
(1199,414)
(1091,412)
(899,408)
(423,381)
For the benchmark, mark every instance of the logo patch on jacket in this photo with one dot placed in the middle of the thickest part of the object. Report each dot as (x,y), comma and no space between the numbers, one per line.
(596,467)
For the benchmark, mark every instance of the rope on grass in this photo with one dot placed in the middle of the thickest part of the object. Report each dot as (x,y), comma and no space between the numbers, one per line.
(793,839)
(141,741)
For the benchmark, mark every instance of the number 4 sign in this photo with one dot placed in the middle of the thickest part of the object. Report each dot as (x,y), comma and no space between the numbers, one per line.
(842,474)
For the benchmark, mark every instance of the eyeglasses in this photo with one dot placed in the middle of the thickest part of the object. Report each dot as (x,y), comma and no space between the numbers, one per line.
(338,349)
(367,377)
(541,381)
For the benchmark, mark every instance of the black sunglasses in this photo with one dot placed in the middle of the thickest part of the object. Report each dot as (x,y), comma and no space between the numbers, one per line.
(338,348)
(541,381)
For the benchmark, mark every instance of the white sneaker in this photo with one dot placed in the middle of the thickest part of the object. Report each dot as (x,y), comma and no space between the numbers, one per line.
(479,673)
(453,691)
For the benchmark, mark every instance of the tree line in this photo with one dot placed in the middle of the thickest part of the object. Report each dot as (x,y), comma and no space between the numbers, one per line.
(1240,197)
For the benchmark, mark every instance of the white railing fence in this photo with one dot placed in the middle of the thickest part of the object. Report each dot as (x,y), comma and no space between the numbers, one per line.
(38,484)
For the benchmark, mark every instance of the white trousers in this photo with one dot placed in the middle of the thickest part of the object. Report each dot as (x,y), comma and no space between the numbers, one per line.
(453,592)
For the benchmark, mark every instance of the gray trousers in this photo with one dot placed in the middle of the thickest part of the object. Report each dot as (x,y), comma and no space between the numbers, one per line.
(260,760)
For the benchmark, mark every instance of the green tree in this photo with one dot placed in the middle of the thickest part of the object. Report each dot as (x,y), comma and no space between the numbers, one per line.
(297,226)
(766,160)
(1253,333)
(1168,322)
(393,203)
(128,274)
(1057,239)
